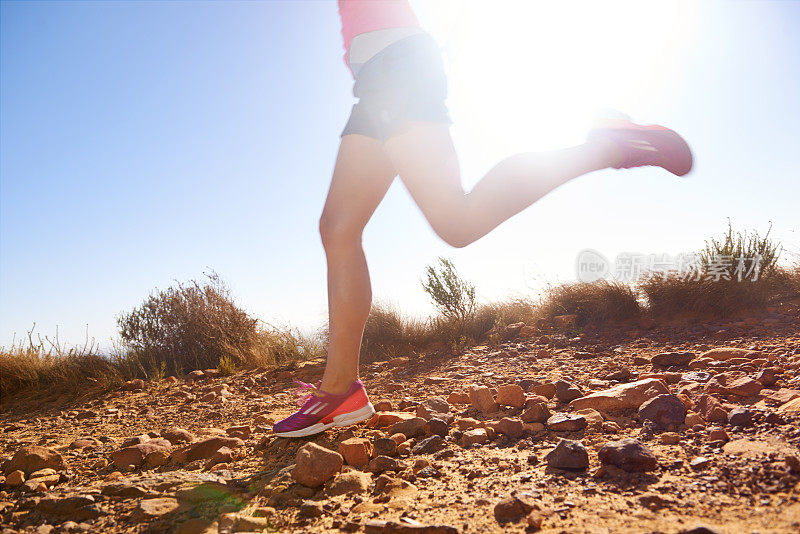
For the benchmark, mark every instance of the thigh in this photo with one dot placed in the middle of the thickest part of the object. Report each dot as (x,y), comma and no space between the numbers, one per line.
(361,177)
(426,161)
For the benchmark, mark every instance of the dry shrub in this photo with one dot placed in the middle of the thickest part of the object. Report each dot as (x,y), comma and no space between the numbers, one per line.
(197,325)
(593,302)
(678,296)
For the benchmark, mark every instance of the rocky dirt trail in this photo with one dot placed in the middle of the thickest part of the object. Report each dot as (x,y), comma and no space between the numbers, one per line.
(636,428)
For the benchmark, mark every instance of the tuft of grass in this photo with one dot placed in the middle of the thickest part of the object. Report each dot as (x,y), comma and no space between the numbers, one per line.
(593,302)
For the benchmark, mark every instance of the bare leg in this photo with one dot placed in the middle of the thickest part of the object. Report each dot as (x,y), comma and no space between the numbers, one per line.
(362,175)
(424,157)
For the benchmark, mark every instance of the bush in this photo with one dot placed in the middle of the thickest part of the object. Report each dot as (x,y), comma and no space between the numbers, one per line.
(190,327)
(388,334)
(452,296)
(740,255)
(593,302)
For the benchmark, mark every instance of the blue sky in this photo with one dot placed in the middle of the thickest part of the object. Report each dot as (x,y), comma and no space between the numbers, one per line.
(146,142)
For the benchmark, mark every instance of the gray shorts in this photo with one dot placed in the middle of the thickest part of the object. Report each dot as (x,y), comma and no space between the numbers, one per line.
(404,81)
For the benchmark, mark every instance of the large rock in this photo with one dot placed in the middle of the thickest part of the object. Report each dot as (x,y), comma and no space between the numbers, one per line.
(135,454)
(511,395)
(622,397)
(664,410)
(569,455)
(668,359)
(33,458)
(628,454)
(205,449)
(315,465)
(482,400)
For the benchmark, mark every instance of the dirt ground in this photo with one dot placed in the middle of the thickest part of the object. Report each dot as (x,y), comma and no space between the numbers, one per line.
(711,471)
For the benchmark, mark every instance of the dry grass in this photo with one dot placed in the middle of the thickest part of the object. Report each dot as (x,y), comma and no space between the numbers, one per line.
(188,327)
(593,303)
(704,298)
(389,334)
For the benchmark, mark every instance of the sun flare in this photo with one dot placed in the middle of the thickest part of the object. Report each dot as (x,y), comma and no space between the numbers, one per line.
(528,74)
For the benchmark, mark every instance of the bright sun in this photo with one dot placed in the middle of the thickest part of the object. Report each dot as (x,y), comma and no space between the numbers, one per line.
(533,75)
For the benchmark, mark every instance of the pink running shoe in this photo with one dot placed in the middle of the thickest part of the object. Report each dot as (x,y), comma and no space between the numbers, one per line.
(646,145)
(319,411)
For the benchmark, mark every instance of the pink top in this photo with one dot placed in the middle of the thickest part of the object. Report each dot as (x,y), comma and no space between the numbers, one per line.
(361,16)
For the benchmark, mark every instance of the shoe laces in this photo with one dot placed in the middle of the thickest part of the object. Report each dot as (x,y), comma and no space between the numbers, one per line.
(304,391)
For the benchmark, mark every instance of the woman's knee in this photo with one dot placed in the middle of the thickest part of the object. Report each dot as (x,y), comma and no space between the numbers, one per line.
(335,230)
(454,234)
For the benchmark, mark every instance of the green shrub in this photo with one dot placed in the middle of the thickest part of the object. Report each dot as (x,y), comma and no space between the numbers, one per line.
(452,296)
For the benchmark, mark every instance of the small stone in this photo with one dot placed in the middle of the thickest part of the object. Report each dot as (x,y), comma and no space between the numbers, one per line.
(410,427)
(740,417)
(569,455)
(429,445)
(437,426)
(511,427)
(535,412)
(668,359)
(473,437)
(458,397)
(699,463)
(314,465)
(663,410)
(564,422)
(176,435)
(205,449)
(356,451)
(311,509)
(482,400)
(514,507)
(385,446)
(717,434)
(566,392)
(711,409)
(547,390)
(137,384)
(380,464)
(628,454)
(350,483)
(135,454)
(431,406)
(15,478)
(511,395)
(670,438)
(157,507)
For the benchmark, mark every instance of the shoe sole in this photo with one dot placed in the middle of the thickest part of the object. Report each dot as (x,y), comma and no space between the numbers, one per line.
(345,419)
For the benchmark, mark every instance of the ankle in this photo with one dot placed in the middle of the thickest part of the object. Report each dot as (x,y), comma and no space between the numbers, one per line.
(336,385)
(608,151)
